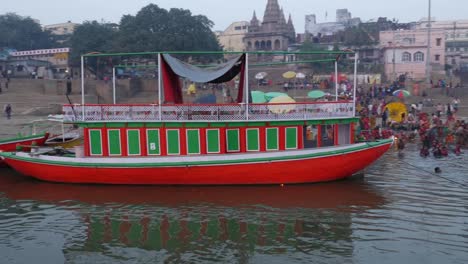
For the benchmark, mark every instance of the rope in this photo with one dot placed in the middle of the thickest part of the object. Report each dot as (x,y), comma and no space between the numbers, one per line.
(434,174)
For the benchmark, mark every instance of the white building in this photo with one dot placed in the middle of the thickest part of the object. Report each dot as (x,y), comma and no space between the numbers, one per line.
(343,20)
(232,39)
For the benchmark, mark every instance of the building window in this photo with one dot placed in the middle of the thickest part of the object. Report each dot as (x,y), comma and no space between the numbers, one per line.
(406,57)
(237,28)
(454,61)
(419,56)
(437,57)
(438,41)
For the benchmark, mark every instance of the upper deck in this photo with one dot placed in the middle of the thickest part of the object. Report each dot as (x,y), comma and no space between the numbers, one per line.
(208,112)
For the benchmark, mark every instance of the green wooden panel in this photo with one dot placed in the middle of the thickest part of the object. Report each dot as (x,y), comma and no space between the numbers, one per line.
(115,125)
(218,125)
(272,139)
(193,141)
(136,124)
(173,142)
(178,125)
(194,125)
(232,136)
(133,141)
(252,140)
(153,142)
(291,138)
(212,141)
(114,142)
(95,142)
(154,125)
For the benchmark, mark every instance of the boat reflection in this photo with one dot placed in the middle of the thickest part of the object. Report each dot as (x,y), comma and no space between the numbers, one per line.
(190,219)
(351,192)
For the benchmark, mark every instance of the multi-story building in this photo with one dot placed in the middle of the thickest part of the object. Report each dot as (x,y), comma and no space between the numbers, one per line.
(343,20)
(45,63)
(62,31)
(232,39)
(456,40)
(405,52)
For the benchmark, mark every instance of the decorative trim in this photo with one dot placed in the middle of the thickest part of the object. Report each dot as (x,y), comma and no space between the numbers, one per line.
(247,139)
(277,138)
(128,144)
(286,137)
(90,131)
(219,140)
(238,140)
(187,140)
(148,149)
(109,143)
(178,142)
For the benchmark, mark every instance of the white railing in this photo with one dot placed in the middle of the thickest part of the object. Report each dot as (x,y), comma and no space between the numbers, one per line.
(215,112)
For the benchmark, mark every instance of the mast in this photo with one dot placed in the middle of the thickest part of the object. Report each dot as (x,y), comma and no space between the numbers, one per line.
(159,86)
(356,56)
(247,85)
(428,59)
(82,89)
(113,85)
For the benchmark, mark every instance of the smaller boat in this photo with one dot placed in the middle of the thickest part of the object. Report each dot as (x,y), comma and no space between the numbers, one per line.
(60,135)
(25,142)
(66,140)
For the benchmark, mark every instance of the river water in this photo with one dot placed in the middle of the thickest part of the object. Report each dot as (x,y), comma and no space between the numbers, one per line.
(399,212)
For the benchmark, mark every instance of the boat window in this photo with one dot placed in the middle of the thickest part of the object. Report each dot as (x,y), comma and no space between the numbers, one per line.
(344,134)
(310,136)
(328,136)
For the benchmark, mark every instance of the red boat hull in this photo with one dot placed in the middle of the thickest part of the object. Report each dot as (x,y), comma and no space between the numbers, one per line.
(10,144)
(317,168)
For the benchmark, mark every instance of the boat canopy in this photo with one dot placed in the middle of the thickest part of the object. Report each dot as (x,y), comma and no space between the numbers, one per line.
(172,69)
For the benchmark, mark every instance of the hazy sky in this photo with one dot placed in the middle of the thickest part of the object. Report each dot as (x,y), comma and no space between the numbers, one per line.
(223,12)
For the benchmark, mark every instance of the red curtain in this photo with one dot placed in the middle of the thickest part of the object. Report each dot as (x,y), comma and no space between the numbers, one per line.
(171,84)
(240,92)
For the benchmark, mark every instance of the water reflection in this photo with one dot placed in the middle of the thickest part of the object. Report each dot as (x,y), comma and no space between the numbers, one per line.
(190,224)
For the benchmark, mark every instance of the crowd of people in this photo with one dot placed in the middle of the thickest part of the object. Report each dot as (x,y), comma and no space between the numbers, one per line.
(438,132)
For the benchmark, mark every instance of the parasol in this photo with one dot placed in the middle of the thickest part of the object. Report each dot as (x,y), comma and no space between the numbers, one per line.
(395,110)
(281,104)
(260,75)
(401,93)
(272,95)
(315,94)
(289,75)
(300,75)
(258,97)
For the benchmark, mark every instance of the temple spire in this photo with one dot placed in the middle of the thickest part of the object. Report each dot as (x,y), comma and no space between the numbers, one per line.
(272,12)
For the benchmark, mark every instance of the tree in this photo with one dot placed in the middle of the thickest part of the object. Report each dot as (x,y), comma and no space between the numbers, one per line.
(23,33)
(92,36)
(156,29)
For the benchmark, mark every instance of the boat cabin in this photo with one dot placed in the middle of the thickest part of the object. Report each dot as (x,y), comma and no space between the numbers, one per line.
(172,127)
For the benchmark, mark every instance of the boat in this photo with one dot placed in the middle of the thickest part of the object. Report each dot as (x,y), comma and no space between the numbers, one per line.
(174,143)
(61,135)
(24,142)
